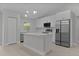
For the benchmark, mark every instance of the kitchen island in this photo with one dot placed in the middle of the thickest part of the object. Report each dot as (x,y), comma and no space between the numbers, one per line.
(38,42)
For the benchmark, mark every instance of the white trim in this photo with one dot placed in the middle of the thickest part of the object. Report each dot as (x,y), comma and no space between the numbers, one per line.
(3,30)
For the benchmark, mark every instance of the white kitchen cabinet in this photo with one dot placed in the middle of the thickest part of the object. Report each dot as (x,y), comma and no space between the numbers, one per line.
(38,42)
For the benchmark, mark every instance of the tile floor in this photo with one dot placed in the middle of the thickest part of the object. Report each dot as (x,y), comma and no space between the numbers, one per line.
(18,50)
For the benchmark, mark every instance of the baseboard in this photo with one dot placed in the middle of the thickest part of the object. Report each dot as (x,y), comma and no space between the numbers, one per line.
(75,44)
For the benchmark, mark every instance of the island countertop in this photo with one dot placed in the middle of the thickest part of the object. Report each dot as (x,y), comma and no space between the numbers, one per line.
(36,33)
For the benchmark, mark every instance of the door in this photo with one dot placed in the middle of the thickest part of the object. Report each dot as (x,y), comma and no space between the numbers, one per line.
(65,33)
(11,30)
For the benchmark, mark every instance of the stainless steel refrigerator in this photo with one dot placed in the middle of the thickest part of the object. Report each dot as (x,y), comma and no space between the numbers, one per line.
(63,33)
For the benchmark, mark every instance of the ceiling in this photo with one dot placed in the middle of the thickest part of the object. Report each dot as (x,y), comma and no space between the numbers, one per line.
(44,9)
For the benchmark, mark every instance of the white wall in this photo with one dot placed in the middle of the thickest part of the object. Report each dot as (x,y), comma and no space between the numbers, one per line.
(73,7)
(63,15)
(77,29)
(0,28)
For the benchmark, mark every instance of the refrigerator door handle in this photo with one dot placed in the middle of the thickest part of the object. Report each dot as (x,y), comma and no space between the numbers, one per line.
(57,30)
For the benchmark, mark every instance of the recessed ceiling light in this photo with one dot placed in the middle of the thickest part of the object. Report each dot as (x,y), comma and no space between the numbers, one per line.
(26,15)
(34,12)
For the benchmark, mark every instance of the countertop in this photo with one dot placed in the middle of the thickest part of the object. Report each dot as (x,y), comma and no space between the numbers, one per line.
(36,33)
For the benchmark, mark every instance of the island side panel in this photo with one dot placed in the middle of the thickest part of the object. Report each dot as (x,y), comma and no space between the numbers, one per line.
(34,42)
